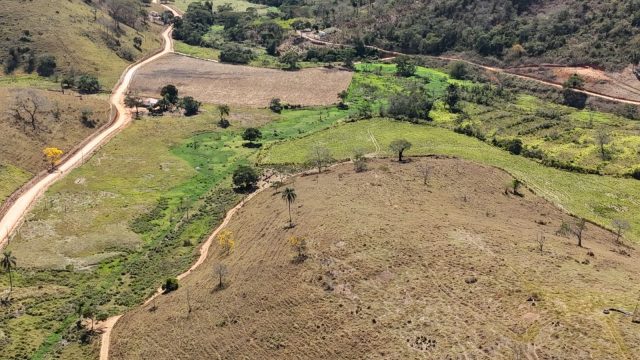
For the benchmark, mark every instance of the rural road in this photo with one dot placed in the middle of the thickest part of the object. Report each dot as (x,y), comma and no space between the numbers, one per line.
(485,67)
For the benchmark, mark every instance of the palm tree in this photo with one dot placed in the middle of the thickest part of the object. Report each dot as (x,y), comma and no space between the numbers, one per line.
(223,110)
(289,195)
(8,263)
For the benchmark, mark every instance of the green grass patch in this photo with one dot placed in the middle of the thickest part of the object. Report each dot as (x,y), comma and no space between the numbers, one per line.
(11,178)
(196,51)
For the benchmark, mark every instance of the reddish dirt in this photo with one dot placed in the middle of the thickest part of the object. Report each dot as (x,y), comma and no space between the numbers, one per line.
(398,270)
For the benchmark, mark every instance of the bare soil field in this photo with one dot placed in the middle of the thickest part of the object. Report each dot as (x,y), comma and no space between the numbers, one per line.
(398,270)
(217,83)
(622,85)
(58,121)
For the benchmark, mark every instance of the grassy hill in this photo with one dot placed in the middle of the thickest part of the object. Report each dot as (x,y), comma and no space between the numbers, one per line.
(417,271)
(81,40)
(572,32)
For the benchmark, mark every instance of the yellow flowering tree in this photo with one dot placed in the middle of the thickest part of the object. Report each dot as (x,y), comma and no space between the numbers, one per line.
(226,241)
(52,156)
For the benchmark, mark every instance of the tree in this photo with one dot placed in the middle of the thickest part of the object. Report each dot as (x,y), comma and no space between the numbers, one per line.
(359,161)
(405,66)
(251,135)
(424,171)
(515,185)
(8,264)
(575,228)
(220,271)
(223,110)
(170,284)
(89,312)
(245,178)
(26,111)
(52,156)
(574,81)
(319,156)
(290,59)
(620,226)
(190,105)
(540,239)
(226,241)
(452,97)
(88,84)
(275,105)
(399,146)
(458,70)
(289,195)
(46,65)
(170,93)
(603,138)
(299,245)
(133,101)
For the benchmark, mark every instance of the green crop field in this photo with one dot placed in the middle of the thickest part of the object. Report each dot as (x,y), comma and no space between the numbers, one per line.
(597,198)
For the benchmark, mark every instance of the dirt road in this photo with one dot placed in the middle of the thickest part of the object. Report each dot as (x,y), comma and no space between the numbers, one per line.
(390,55)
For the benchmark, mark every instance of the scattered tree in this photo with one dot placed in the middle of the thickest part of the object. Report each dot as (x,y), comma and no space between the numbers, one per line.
(603,138)
(88,84)
(359,161)
(220,272)
(319,156)
(8,264)
(399,146)
(405,66)
(299,245)
(290,59)
(515,186)
(26,111)
(170,93)
(424,171)
(133,101)
(190,105)
(86,118)
(575,228)
(226,241)
(275,105)
(52,156)
(289,196)
(574,81)
(89,312)
(452,97)
(223,110)
(171,284)
(46,65)
(251,135)
(540,239)
(245,178)
(620,226)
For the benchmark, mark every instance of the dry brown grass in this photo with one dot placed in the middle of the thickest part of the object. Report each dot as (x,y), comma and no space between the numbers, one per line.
(389,276)
(241,85)
(23,147)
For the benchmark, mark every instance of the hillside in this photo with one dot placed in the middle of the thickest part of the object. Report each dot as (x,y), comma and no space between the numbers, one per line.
(603,33)
(81,40)
(439,271)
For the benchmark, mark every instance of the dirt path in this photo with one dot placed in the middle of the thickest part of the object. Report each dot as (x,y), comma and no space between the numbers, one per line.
(390,55)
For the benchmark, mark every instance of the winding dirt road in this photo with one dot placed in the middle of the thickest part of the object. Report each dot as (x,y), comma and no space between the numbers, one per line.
(390,55)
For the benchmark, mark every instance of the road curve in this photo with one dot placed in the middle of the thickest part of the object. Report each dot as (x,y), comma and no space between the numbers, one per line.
(485,67)
(16,212)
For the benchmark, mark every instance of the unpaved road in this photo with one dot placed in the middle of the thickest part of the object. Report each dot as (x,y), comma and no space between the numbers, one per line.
(485,67)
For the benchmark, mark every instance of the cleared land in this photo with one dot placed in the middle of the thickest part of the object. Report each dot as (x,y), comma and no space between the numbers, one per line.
(598,198)
(241,85)
(435,271)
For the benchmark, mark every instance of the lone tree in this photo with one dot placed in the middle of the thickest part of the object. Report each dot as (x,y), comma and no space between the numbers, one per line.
(26,111)
(89,312)
(424,171)
(319,156)
(620,226)
(251,135)
(8,264)
(52,156)
(575,228)
(170,93)
(245,178)
(399,147)
(405,66)
(220,272)
(289,195)
(171,284)
(275,105)
(540,239)
(133,101)
(223,110)
(574,81)
(603,138)
(226,241)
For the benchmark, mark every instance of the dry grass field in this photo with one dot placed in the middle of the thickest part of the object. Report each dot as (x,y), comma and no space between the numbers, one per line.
(217,83)
(398,270)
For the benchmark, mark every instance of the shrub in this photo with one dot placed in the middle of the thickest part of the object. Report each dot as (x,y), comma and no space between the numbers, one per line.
(171,284)
(245,178)
(412,106)
(236,54)
(458,70)
(275,105)
(88,84)
(190,106)
(405,66)
(224,123)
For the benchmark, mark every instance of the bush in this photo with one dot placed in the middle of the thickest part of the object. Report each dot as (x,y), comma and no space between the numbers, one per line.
(275,105)
(405,66)
(245,178)
(88,84)
(224,123)
(190,106)
(171,284)
(251,134)
(236,54)
(413,106)
(513,146)
(458,70)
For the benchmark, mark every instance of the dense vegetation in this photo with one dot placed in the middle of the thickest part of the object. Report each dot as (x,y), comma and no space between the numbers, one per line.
(594,32)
